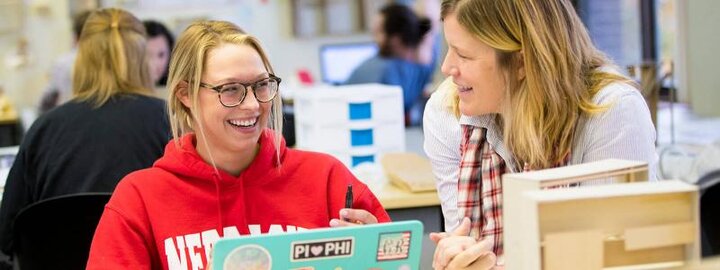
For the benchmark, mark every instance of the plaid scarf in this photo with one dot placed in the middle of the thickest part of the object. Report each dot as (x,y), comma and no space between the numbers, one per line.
(480,186)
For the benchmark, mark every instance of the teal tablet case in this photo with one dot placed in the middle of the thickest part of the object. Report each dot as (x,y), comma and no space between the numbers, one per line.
(394,245)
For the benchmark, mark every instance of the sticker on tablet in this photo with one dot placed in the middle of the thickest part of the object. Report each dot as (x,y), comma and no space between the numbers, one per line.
(322,249)
(393,246)
(248,257)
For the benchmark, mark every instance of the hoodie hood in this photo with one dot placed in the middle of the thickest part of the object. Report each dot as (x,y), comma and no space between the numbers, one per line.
(183,160)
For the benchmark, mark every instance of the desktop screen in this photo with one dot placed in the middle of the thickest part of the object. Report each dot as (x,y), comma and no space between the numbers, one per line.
(337,61)
(7,157)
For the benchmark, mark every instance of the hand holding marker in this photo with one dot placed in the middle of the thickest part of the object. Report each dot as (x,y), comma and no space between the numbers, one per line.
(348,199)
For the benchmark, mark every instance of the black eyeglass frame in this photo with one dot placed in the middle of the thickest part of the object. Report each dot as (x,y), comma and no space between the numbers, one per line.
(252,85)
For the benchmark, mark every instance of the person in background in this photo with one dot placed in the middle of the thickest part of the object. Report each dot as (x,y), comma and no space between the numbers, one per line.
(529,91)
(227,172)
(60,88)
(160,43)
(110,128)
(399,32)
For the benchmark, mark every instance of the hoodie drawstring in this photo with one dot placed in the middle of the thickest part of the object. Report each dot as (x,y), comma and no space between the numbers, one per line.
(216,179)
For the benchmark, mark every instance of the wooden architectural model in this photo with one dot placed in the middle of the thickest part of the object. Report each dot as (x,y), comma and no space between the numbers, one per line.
(619,221)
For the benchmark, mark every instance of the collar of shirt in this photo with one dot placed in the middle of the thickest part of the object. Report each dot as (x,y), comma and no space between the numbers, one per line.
(494,136)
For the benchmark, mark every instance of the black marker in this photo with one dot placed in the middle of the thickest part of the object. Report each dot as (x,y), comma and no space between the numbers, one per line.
(348,198)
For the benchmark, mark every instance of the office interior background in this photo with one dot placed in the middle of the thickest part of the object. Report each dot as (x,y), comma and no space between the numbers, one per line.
(674,38)
(678,37)
(669,46)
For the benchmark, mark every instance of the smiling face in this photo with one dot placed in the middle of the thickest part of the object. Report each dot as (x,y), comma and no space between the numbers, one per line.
(236,130)
(473,66)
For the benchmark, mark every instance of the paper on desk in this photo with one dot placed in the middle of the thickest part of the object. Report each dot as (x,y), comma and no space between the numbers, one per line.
(409,171)
(371,174)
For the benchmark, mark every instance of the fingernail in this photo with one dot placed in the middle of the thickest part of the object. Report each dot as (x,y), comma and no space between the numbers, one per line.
(334,222)
(343,213)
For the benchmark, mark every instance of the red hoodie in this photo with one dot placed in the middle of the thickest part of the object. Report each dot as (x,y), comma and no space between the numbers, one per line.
(169,216)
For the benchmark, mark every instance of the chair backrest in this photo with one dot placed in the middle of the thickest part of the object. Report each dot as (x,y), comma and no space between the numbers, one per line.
(57,232)
(709,218)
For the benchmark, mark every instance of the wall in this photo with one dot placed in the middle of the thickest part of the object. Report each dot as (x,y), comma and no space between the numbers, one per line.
(271,22)
(47,27)
(614,27)
(699,36)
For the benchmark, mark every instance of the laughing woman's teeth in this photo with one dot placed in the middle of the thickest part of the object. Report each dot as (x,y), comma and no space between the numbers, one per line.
(243,123)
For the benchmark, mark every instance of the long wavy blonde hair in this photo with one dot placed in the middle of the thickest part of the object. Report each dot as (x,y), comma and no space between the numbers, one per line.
(187,64)
(111,57)
(563,71)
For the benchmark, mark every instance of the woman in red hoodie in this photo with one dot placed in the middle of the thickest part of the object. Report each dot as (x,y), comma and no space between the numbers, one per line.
(225,174)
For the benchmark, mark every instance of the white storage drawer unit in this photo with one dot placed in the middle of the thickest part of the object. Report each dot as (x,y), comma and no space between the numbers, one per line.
(355,123)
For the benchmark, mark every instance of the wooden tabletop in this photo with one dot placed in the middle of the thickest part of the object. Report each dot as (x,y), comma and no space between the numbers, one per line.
(392,197)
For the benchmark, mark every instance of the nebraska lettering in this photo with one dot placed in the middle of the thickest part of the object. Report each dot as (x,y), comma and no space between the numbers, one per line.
(191,251)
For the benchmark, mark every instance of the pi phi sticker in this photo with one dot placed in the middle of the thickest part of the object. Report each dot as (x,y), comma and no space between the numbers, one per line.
(322,249)
(393,246)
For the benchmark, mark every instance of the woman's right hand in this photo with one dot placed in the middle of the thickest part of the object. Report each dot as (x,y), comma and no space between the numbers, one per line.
(353,217)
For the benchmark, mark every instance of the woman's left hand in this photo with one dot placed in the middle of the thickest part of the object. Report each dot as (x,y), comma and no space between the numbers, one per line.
(478,256)
(352,217)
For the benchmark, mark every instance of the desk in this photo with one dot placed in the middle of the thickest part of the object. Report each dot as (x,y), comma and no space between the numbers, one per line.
(705,264)
(422,206)
(391,197)
(10,131)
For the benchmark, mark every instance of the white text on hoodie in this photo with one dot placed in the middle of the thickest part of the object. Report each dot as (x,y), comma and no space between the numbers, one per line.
(179,247)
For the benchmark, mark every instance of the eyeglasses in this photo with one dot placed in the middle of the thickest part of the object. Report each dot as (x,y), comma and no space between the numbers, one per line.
(233,94)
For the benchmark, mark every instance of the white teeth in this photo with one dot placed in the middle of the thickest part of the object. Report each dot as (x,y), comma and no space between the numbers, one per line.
(462,87)
(243,123)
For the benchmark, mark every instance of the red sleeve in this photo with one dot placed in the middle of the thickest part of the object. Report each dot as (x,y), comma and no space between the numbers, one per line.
(120,242)
(363,198)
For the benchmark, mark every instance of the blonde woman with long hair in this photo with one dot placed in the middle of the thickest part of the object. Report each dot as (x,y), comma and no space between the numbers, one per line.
(227,172)
(110,128)
(529,91)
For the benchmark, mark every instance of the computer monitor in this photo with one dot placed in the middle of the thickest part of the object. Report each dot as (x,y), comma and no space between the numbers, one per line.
(7,157)
(337,61)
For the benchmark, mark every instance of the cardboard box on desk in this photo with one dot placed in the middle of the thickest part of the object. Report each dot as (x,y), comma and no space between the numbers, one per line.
(629,223)
(409,171)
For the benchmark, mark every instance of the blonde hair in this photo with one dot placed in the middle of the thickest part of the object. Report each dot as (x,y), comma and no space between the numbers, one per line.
(563,71)
(111,57)
(187,65)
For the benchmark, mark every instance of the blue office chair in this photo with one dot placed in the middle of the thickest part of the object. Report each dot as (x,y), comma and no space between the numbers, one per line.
(709,217)
(56,233)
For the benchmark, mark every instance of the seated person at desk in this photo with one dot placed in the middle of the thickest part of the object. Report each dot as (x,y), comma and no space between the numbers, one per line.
(160,43)
(531,92)
(398,32)
(110,128)
(225,173)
